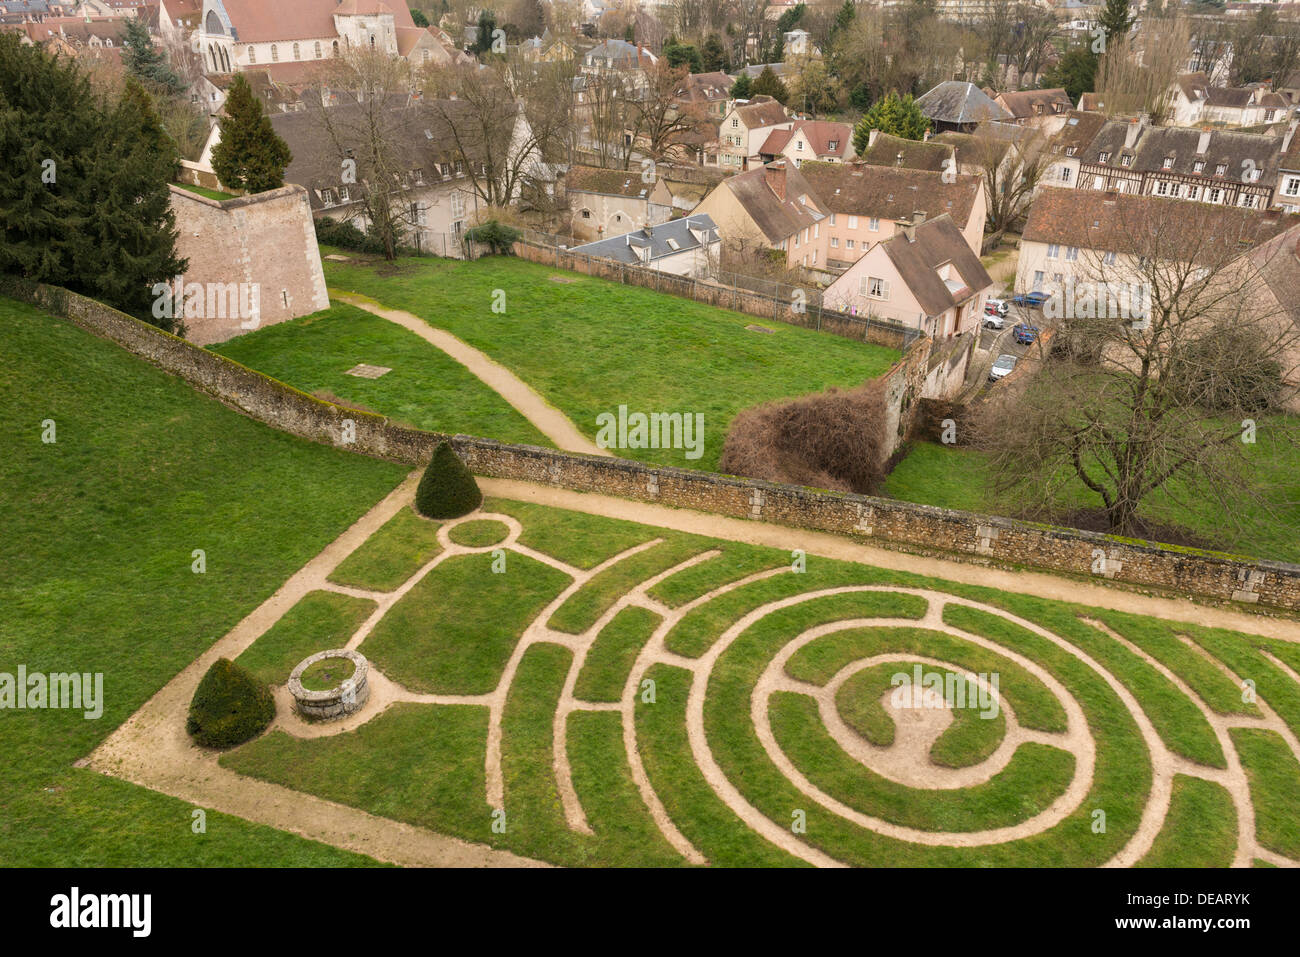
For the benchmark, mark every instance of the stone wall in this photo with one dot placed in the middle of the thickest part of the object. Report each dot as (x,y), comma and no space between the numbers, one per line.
(266,239)
(886,522)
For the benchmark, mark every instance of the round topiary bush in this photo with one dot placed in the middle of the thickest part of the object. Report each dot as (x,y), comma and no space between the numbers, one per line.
(447,490)
(229,707)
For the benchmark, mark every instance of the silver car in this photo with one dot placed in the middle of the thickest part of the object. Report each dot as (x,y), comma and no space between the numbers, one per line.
(1002,367)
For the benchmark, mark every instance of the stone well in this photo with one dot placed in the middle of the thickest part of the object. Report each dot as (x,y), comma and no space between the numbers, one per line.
(339,702)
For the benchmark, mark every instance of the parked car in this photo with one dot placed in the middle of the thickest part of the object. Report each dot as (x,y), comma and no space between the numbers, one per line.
(995,307)
(1030,300)
(994,321)
(1024,333)
(1002,367)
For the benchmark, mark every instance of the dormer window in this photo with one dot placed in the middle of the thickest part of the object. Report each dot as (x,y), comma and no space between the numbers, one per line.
(1126,159)
(833,145)
(1221,169)
(1168,163)
(1198,166)
(1104,157)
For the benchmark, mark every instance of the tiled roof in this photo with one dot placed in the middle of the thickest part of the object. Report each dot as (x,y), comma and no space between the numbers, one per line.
(1232,149)
(762,111)
(779,217)
(259,21)
(1024,104)
(1081,127)
(889,192)
(611,182)
(931,155)
(919,253)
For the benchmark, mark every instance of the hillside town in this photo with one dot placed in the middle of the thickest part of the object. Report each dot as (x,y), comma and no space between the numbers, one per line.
(643,433)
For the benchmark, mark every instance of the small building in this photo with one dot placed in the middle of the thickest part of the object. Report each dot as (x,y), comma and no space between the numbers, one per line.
(682,247)
(746,128)
(771,207)
(924,276)
(959,107)
(1041,108)
(817,140)
(611,201)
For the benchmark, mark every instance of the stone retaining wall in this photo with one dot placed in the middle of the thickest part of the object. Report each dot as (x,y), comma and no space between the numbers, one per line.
(888,522)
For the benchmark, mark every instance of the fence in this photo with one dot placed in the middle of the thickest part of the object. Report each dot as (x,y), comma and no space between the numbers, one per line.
(765,298)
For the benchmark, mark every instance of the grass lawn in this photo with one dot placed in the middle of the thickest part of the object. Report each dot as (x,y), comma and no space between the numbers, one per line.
(204,191)
(427,388)
(454,631)
(590,345)
(950,477)
(100,529)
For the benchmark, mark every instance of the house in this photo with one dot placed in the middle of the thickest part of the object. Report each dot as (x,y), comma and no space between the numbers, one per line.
(1222,167)
(798,43)
(770,207)
(866,205)
(817,140)
(707,93)
(1194,100)
(237,35)
(1044,109)
(1277,264)
(1065,149)
(683,247)
(438,196)
(610,201)
(746,128)
(755,70)
(617,56)
(1075,235)
(177,21)
(925,276)
(960,107)
(1287,195)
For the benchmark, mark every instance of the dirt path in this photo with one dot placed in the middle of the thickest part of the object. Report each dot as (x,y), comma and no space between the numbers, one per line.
(1041,584)
(550,421)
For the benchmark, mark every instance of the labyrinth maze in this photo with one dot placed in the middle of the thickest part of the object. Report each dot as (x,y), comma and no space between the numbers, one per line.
(582,690)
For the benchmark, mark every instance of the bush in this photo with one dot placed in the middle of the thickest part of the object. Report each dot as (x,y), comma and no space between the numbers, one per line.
(346,236)
(499,237)
(229,707)
(447,490)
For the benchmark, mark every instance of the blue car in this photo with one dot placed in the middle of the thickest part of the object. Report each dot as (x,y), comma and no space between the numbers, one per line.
(1031,300)
(1024,333)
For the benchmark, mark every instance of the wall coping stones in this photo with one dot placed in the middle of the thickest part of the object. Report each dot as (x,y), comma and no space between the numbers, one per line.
(339,702)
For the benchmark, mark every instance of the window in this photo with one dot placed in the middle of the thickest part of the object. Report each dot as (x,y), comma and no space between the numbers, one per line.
(1252,175)
(835,242)
(1221,169)
(1248,200)
(853,222)
(418,176)
(796,240)
(1292,187)
(1108,259)
(833,215)
(798,145)
(1038,279)
(1168,163)
(1065,174)
(1198,166)
(458,205)
(817,230)
(1098,182)
(317,50)
(874,287)
(252,54)
(873,224)
(1072,254)
(1162,188)
(275,53)
(297,53)
(586,214)
(734,123)
(344,194)
(1125,159)
(1214,195)
(832,144)
(336,48)
(1053,251)
(1268,115)
(1103,157)
(849,244)
(1193,192)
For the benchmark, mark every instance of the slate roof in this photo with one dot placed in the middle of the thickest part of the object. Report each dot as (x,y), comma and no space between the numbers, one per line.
(1138,225)
(953,101)
(888,192)
(664,240)
(918,259)
(1231,148)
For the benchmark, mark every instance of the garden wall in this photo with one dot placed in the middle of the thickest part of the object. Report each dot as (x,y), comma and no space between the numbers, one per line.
(914,527)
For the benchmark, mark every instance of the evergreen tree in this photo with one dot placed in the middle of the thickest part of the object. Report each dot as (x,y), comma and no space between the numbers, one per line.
(487,25)
(713,55)
(769,84)
(742,89)
(1115,19)
(682,54)
(1075,72)
(846,15)
(146,62)
(895,115)
(129,241)
(418,18)
(251,155)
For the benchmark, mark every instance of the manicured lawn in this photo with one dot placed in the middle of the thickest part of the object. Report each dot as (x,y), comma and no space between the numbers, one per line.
(205,191)
(321,621)
(405,544)
(955,477)
(100,529)
(589,346)
(427,388)
(455,630)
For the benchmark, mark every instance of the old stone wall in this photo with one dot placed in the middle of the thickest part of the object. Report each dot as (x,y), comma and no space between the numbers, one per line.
(887,522)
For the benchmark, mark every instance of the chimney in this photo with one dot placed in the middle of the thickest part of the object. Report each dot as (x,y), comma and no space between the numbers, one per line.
(909,232)
(1131,134)
(1286,137)
(918,217)
(774,174)
(1203,143)
(871,138)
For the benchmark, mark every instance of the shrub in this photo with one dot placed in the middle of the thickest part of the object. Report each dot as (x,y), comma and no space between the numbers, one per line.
(499,237)
(447,490)
(229,707)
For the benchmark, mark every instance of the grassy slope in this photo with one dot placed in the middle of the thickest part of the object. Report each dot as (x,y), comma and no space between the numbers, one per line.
(95,576)
(649,351)
(934,474)
(427,388)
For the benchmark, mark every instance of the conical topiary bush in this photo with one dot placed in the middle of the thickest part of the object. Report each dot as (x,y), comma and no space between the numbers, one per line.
(229,707)
(447,490)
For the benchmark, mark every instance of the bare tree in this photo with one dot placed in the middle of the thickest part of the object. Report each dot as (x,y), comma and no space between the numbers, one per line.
(1162,360)
(1011,164)
(1127,84)
(660,117)
(613,116)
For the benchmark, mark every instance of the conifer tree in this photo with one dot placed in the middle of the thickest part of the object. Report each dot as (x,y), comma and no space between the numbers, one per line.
(251,155)
(769,84)
(895,115)
(146,62)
